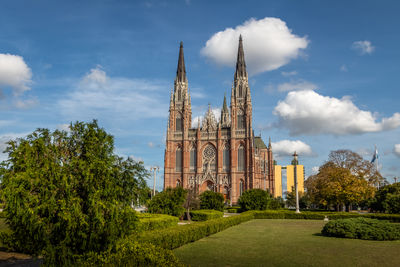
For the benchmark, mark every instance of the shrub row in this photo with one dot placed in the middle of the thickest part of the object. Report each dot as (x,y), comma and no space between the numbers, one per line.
(148,221)
(129,253)
(362,228)
(310,215)
(205,215)
(174,237)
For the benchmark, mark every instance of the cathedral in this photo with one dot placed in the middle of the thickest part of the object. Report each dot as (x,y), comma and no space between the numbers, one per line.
(219,155)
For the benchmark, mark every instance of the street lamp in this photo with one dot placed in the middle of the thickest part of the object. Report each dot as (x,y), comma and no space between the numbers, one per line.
(295,181)
(154,169)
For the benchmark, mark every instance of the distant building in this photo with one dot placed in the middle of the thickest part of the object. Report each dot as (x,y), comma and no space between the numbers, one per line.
(289,179)
(222,156)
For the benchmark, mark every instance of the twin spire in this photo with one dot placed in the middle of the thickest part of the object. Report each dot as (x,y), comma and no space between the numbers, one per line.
(181,71)
(240,62)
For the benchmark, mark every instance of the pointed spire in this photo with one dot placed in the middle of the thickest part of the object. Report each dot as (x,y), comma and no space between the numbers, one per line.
(225,106)
(240,63)
(181,71)
(269,143)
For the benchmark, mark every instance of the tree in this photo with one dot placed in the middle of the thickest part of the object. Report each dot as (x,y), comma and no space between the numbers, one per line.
(387,199)
(254,199)
(192,202)
(67,193)
(339,186)
(211,200)
(170,201)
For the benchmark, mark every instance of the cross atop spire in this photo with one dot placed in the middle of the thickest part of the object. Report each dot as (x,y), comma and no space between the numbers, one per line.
(181,71)
(240,63)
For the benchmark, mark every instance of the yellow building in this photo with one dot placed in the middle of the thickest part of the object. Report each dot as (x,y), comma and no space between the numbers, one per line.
(289,179)
(278,181)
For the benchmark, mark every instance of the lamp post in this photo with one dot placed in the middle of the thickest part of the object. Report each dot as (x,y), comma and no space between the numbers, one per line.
(295,181)
(154,169)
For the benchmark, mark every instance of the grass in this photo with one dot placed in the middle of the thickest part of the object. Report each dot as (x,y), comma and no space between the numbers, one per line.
(286,243)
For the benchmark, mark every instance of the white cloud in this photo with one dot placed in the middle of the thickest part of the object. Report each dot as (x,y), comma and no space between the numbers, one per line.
(268,44)
(288,147)
(396,149)
(307,112)
(98,95)
(364,47)
(14,73)
(289,73)
(296,86)
(25,104)
(64,127)
(150,144)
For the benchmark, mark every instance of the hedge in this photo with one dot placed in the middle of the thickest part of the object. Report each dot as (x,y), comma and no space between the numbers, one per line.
(205,215)
(130,253)
(362,228)
(148,221)
(174,237)
(233,210)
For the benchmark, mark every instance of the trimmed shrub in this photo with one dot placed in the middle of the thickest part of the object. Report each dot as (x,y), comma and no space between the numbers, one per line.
(254,199)
(233,210)
(362,228)
(210,200)
(130,253)
(170,202)
(174,237)
(286,214)
(148,221)
(205,215)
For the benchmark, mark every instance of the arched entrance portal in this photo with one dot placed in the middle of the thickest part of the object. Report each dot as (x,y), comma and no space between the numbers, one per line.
(207,185)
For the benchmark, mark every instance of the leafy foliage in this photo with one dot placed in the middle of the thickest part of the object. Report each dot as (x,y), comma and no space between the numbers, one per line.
(170,202)
(362,228)
(254,199)
(387,199)
(67,193)
(210,200)
(345,179)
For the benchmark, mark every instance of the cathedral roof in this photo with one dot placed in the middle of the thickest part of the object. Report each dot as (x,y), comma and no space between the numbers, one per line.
(259,143)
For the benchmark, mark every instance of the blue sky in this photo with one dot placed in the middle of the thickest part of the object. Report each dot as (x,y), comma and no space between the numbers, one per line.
(323,74)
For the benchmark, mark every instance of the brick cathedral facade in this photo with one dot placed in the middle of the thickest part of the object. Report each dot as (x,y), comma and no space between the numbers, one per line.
(223,156)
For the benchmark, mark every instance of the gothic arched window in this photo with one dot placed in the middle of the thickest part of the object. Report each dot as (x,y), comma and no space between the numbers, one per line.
(226,158)
(178,122)
(209,158)
(240,120)
(178,183)
(241,187)
(193,159)
(240,91)
(241,158)
(178,159)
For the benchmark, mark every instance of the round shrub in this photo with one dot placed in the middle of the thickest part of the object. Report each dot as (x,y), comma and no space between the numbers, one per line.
(170,202)
(254,199)
(362,228)
(210,200)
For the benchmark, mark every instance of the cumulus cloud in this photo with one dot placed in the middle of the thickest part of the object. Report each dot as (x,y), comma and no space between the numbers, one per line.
(363,47)
(307,112)
(98,95)
(288,147)
(268,44)
(314,170)
(14,73)
(296,86)
(396,149)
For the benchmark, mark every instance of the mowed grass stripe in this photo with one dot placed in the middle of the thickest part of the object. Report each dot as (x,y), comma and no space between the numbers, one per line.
(286,243)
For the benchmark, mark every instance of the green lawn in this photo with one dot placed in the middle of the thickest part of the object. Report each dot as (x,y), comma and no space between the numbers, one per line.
(286,243)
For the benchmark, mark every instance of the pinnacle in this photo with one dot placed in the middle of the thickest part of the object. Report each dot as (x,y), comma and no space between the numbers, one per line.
(181,71)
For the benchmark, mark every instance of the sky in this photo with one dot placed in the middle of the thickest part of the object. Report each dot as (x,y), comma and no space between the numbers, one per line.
(323,74)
